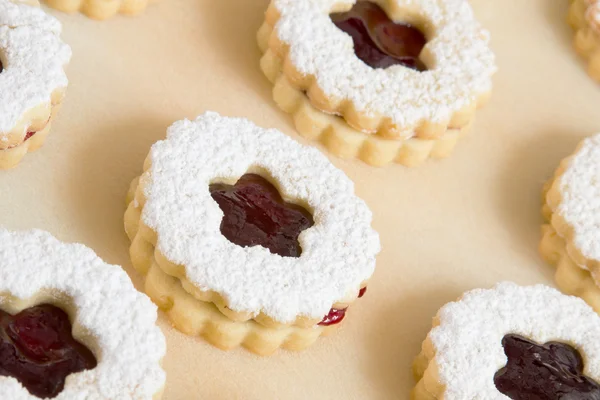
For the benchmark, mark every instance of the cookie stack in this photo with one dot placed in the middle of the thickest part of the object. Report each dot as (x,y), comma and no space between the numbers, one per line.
(367,87)
(33,80)
(246,237)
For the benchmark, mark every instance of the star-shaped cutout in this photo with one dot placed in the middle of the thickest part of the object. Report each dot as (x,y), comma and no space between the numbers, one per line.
(37,348)
(256,214)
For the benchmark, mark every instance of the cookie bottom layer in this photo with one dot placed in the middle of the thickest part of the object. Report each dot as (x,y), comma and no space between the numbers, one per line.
(569,277)
(339,137)
(198,318)
(100,9)
(10,158)
(587,38)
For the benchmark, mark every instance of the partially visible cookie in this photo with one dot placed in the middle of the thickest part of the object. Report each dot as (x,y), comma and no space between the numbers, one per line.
(511,342)
(584,17)
(73,326)
(32,77)
(101,9)
(571,238)
(247,237)
(386,81)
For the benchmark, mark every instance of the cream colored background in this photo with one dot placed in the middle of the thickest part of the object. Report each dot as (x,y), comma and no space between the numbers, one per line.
(447,227)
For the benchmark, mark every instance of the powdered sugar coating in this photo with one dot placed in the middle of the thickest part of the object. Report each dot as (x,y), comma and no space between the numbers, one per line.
(579,187)
(122,320)
(592,13)
(464,63)
(468,341)
(33,56)
(338,252)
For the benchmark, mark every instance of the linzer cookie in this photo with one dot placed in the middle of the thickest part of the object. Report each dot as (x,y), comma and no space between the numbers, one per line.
(247,237)
(571,238)
(386,81)
(32,78)
(100,9)
(511,342)
(584,17)
(72,326)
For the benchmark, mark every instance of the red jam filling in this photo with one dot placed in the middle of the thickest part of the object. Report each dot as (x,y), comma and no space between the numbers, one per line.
(38,349)
(255,214)
(335,316)
(552,371)
(378,41)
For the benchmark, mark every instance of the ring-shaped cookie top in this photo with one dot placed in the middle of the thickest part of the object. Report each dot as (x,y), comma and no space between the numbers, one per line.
(109,315)
(468,340)
(575,201)
(33,58)
(460,62)
(338,252)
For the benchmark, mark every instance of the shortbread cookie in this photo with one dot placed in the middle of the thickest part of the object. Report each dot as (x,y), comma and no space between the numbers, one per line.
(245,218)
(32,78)
(511,342)
(405,91)
(584,17)
(101,9)
(571,238)
(72,326)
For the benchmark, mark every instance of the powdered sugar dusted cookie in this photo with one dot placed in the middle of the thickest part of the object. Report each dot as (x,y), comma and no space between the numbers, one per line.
(571,238)
(267,230)
(72,326)
(404,75)
(32,78)
(101,9)
(584,17)
(511,342)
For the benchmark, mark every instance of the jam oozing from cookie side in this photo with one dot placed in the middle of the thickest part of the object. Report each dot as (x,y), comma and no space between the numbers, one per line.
(378,41)
(552,371)
(255,214)
(37,348)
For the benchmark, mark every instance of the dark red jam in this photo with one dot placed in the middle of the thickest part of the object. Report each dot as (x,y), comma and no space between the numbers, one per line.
(28,136)
(335,316)
(378,41)
(255,214)
(553,371)
(37,348)
(362,292)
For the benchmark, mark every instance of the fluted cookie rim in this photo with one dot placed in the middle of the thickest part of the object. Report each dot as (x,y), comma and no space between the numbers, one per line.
(342,140)
(144,236)
(101,9)
(37,268)
(351,102)
(445,368)
(286,288)
(201,318)
(30,107)
(587,35)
